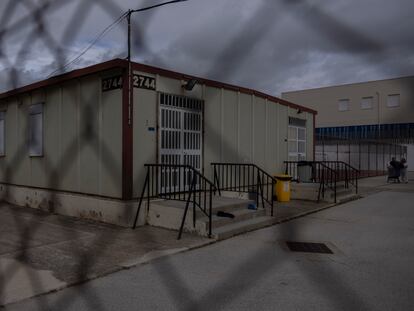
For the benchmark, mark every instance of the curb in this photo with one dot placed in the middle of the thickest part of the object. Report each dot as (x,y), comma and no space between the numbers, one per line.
(124,266)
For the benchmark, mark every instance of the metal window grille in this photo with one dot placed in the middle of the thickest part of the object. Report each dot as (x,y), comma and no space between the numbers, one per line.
(180,137)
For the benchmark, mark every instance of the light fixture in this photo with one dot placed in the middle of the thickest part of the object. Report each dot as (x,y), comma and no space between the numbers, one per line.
(189,85)
(299,111)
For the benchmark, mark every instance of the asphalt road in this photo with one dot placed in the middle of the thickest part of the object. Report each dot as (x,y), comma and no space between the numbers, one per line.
(372,268)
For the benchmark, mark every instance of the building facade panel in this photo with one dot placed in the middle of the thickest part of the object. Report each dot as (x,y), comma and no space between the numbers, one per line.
(326,99)
(110,149)
(230,126)
(73,139)
(69,164)
(145,122)
(246,128)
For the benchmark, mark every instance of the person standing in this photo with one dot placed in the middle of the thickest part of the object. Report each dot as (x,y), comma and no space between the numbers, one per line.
(403,170)
(396,167)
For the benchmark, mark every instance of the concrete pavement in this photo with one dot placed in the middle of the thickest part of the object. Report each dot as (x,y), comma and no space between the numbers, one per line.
(40,252)
(371,268)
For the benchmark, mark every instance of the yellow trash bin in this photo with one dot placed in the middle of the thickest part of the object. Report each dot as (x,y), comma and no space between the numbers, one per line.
(283,187)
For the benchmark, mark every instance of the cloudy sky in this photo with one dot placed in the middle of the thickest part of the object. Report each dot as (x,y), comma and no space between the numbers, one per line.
(269,45)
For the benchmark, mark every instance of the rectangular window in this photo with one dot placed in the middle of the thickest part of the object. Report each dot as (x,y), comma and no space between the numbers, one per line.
(2,133)
(393,100)
(36,130)
(343,105)
(366,102)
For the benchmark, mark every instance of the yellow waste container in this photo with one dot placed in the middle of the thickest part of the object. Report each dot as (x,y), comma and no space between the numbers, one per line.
(283,187)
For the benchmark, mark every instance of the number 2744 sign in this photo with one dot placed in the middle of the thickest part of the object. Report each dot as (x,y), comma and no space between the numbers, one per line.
(138,81)
(143,82)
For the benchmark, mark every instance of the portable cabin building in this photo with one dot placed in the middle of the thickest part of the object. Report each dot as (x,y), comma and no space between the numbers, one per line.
(77,143)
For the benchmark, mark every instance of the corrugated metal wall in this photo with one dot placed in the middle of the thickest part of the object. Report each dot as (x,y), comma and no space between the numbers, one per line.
(82,139)
(239,127)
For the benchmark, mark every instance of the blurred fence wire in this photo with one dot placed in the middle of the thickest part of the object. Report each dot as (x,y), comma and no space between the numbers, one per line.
(34,26)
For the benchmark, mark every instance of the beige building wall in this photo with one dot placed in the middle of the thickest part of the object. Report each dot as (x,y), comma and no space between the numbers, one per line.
(83,133)
(239,127)
(325,101)
(82,149)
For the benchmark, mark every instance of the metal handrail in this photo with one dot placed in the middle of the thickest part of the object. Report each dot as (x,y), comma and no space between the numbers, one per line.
(245,177)
(180,183)
(351,173)
(343,172)
(327,178)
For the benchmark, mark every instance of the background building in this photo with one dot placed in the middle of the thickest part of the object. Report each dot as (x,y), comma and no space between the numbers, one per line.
(363,124)
(77,143)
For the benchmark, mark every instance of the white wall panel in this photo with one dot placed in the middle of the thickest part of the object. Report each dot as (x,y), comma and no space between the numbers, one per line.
(144,139)
(69,169)
(229,139)
(89,128)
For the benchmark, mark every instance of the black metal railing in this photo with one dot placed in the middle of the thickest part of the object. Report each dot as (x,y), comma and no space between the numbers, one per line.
(326,173)
(179,183)
(248,178)
(346,173)
(327,178)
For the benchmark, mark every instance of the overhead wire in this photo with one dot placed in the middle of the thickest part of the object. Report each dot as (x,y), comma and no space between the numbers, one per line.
(108,28)
(93,42)
(157,5)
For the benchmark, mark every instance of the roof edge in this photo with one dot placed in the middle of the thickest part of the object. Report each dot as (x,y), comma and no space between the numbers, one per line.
(121,63)
(114,63)
(346,84)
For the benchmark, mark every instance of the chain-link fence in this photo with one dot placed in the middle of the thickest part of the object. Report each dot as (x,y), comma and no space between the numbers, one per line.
(34,26)
(369,157)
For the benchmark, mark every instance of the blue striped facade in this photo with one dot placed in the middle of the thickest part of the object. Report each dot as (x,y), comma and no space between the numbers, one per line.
(398,131)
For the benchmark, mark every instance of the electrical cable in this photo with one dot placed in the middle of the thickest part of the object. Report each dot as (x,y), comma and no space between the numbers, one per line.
(157,5)
(108,28)
(97,38)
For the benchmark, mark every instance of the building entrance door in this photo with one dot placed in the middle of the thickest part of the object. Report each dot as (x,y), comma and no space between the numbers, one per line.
(180,138)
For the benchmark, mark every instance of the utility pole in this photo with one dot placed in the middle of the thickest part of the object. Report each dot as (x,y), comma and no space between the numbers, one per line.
(130,88)
(128,16)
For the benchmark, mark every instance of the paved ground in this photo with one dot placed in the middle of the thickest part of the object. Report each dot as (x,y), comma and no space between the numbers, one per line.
(371,268)
(41,252)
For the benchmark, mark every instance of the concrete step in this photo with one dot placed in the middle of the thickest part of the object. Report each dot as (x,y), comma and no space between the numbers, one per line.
(229,205)
(236,228)
(347,198)
(239,215)
(341,192)
(168,214)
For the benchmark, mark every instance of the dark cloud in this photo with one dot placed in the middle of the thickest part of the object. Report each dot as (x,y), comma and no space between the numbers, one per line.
(273,46)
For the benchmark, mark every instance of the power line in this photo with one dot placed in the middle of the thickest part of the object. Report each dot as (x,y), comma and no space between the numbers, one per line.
(108,28)
(97,38)
(156,6)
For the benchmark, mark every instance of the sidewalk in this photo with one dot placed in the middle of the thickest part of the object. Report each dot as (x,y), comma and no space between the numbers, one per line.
(372,185)
(40,252)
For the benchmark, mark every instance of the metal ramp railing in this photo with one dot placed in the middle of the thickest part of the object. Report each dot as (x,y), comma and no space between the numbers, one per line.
(245,177)
(180,183)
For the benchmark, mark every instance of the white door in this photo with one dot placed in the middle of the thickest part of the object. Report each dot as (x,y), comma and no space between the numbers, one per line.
(180,138)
